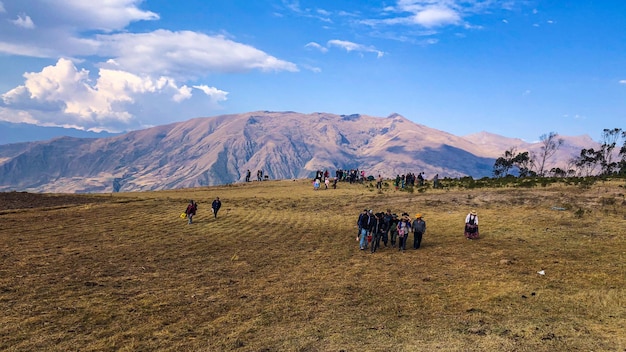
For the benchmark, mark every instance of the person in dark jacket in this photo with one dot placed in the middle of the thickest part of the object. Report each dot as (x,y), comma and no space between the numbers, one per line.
(387,218)
(377,230)
(365,223)
(215,206)
(393,229)
(419,228)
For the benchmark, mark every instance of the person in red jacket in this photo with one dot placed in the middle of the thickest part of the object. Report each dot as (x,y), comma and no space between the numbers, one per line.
(192,207)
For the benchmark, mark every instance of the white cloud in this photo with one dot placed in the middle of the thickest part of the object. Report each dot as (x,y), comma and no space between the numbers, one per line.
(433,13)
(185,54)
(436,16)
(215,94)
(184,93)
(350,46)
(24,21)
(316,46)
(181,54)
(312,68)
(105,15)
(139,78)
(63,95)
(19,116)
(323,12)
(436,13)
(623,81)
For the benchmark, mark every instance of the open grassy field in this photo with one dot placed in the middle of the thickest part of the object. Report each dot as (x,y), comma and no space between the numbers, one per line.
(280,270)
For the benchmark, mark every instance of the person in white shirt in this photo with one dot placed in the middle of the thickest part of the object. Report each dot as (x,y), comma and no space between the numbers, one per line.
(471,225)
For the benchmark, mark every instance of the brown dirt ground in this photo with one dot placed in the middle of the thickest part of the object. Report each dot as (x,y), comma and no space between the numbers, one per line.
(25,200)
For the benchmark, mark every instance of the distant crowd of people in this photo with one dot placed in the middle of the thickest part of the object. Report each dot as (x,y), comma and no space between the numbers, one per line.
(357,176)
(390,229)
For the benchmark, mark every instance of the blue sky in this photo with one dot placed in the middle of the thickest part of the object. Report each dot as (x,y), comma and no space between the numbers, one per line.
(515,68)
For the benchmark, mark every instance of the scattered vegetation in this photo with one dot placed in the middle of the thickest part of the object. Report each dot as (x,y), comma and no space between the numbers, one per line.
(589,162)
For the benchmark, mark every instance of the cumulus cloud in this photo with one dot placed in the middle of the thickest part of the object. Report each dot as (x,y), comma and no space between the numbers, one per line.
(63,95)
(437,16)
(24,21)
(350,46)
(139,77)
(623,81)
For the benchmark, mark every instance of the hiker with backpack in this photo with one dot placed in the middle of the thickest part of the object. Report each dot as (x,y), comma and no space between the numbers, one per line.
(471,225)
(192,207)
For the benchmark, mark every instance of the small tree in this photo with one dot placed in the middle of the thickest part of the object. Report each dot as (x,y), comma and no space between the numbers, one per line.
(558,172)
(504,163)
(524,164)
(550,143)
(588,161)
(511,159)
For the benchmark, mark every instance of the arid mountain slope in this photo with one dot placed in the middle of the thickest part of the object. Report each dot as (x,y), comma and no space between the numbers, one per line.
(219,150)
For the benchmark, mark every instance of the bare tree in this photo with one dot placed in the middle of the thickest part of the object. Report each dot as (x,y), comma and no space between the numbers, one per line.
(622,154)
(609,142)
(570,167)
(550,143)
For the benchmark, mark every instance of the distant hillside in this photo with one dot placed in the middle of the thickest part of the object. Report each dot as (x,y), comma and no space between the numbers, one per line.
(219,150)
(23,132)
(494,145)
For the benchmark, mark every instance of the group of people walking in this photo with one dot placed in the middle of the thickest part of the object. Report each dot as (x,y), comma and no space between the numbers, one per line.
(390,229)
(192,208)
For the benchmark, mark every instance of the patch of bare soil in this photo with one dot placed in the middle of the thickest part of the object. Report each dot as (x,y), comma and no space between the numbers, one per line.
(25,200)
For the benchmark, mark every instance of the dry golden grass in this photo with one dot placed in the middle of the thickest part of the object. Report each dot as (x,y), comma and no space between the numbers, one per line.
(280,270)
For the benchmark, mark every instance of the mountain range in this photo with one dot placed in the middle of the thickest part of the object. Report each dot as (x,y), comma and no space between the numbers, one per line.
(285,145)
